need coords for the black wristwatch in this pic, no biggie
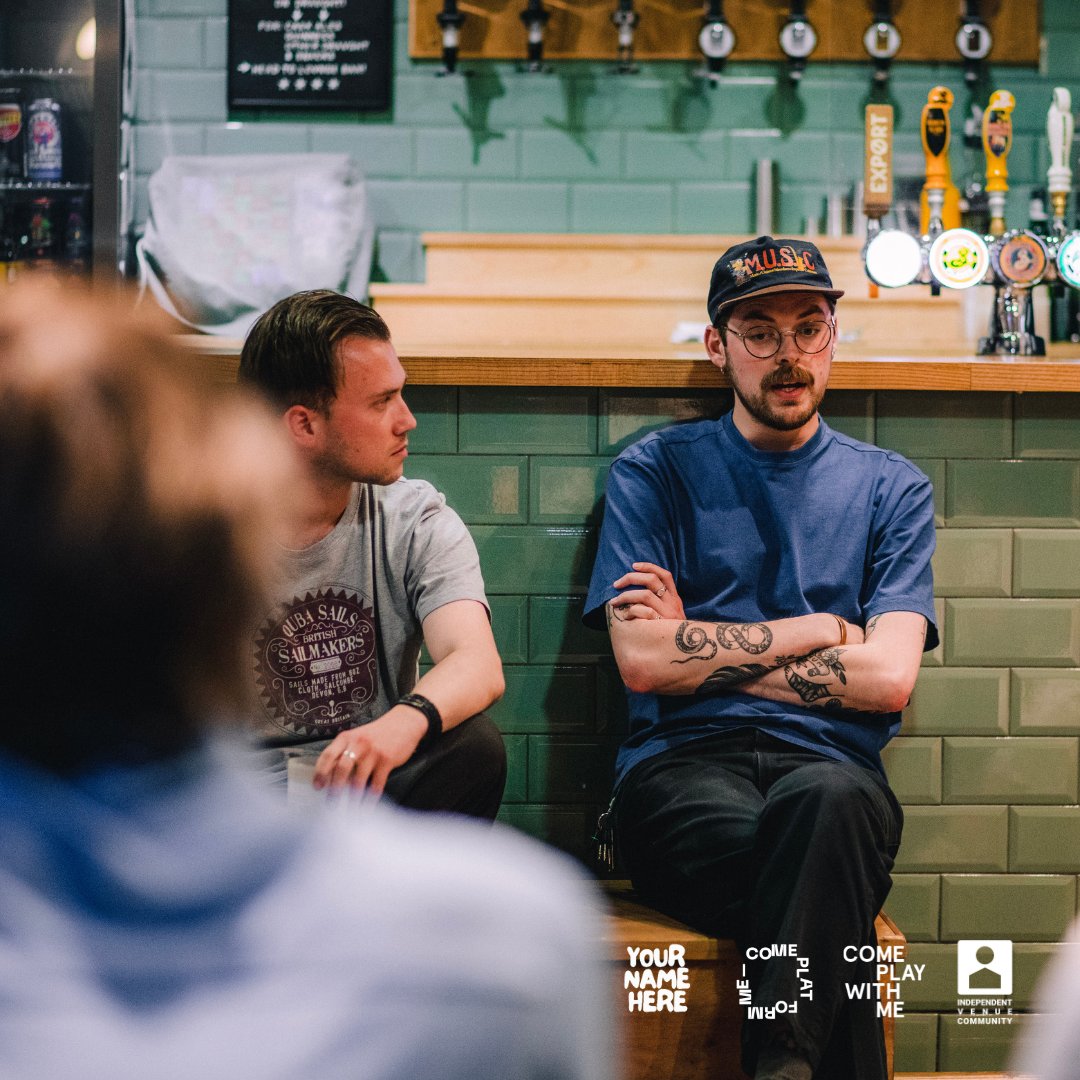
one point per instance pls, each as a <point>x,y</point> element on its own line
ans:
<point>431,714</point>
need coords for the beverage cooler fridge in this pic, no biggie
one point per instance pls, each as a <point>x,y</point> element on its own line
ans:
<point>65,136</point>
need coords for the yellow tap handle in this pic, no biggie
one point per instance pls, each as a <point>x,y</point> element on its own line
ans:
<point>997,142</point>
<point>935,138</point>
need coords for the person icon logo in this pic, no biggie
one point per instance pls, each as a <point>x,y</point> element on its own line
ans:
<point>984,968</point>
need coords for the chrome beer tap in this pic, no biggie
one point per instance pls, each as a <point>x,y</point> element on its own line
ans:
<point>716,39</point>
<point>882,40</point>
<point>973,41</point>
<point>535,17</point>
<point>450,21</point>
<point>798,39</point>
<point>625,19</point>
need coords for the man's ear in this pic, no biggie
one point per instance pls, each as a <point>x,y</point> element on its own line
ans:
<point>714,346</point>
<point>301,423</point>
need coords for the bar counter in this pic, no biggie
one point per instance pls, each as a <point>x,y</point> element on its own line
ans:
<point>675,366</point>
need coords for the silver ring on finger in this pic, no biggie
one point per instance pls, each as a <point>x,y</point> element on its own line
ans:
<point>661,590</point>
<point>351,754</point>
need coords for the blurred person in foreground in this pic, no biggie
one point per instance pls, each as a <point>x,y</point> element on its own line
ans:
<point>374,566</point>
<point>161,913</point>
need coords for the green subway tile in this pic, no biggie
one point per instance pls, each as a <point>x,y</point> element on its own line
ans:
<point>948,424</point>
<point>851,412</point>
<point>547,699</point>
<point>937,987</point>
<point>510,625</point>
<point>565,769</point>
<point>914,905</point>
<point>1014,906</point>
<point>915,1042</point>
<point>1047,426</point>
<point>956,838</point>
<point>1031,769</point>
<point>568,828</point>
<point>435,409</point>
<point>1045,702</point>
<point>936,657</point>
<point>1044,839</point>
<point>715,207</point>
<point>566,490</point>
<point>935,470</point>
<point>1013,493</point>
<point>1037,633</point>
<point>557,635</point>
<point>482,489</point>
<point>913,766</point>
<point>517,771</point>
<point>533,559</point>
<point>527,421</point>
<point>612,711</point>
<point>622,207</point>
<point>502,206</point>
<point>959,701</point>
<point>973,562</point>
<point>974,1047</point>
<point>1047,562</point>
<point>552,155</point>
<point>451,152</point>
<point>627,415</point>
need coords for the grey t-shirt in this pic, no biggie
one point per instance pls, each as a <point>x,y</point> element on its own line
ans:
<point>343,643</point>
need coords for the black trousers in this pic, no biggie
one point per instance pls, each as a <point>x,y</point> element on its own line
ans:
<point>744,835</point>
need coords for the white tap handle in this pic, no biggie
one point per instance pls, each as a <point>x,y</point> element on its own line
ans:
<point>1059,131</point>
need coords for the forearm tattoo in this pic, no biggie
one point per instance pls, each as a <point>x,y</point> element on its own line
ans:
<point>811,678</point>
<point>694,640</point>
<point>753,638</point>
<point>871,626</point>
<point>725,677</point>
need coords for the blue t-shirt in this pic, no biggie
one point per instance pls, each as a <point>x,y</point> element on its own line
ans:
<point>753,536</point>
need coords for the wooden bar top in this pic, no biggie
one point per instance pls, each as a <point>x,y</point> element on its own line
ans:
<point>686,366</point>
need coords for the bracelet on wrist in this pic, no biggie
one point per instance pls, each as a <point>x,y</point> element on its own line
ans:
<point>843,629</point>
<point>431,714</point>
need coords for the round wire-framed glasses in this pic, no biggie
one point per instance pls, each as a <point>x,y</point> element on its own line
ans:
<point>764,342</point>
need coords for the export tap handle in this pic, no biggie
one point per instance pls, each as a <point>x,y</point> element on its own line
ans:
<point>1059,132</point>
<point>997,142</point>
<point>878,171</point>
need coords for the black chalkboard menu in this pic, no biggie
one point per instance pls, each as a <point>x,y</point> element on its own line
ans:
<point>310,54</point>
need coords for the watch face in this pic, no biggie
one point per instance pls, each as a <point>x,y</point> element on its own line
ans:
<point>882,40</point>
<point>1020,258</point>
<point>716,40</point>
<point>1069,260</point>
<point>959,258</point>
<point>798,39</point>
<point>893,259</point>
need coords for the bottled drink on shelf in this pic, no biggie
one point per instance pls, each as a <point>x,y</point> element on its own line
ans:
<point>12,135</point>
<point>77,237</point>
<point>44,152</point>
<point>39,248</point>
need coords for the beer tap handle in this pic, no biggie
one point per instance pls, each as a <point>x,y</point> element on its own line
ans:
<point>878,171</point>
<point>626,19</point>
<point>1059,132</point>
<point>450,21</point>
<point>973,41</point>
<point>997,142</point>
<point>935,141</point>
<point>716,40</point>
<point>882,40</point>
<point>798,39</point>
<point>535,17</point>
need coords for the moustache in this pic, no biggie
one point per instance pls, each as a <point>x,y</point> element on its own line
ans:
<point>795,375</point>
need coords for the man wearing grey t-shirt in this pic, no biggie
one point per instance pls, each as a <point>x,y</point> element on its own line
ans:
<point>375,566</point>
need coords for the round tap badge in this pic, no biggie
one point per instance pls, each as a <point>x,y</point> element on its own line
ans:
<point>1020,257</point>
<point>1069,260</point>
<point>959,258</point>
<point>893,259</point>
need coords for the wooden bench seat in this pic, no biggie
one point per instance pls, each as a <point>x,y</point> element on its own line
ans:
<point>703,1041</point>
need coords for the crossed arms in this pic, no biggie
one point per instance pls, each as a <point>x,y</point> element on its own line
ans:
<point>797,660</point>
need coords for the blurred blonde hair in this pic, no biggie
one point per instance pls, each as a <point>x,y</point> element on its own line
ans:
<point>138,505</point>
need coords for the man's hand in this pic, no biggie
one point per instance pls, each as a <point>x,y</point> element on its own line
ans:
<point>655,598</point>
<point>363,757</point>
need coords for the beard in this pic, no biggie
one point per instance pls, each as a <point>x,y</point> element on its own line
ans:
<point>779,417</point>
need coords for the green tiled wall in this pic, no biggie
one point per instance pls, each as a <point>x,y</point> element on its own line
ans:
<point>987,763</point>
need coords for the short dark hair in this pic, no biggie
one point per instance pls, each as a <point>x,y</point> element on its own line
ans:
<point>291,353</point>
<point>139,506</point>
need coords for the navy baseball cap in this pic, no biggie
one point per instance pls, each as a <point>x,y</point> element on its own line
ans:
<point>767,265</point>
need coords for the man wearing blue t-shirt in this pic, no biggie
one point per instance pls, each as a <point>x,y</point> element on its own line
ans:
<point>766,584</point>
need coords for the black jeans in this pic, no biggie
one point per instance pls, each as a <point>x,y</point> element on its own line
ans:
<point>744,835</point>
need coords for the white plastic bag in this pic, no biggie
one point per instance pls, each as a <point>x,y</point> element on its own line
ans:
<point>230,236</point>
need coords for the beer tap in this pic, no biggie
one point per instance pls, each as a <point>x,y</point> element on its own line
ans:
<point>535,17</point>
<point>716,40</point>
<point>626,19</point>
<point>450,21</point>
<point>798,39</point>
<point>1059,133</point>
<point>997,142</point>
<point>973,41</point>
<point>882,40</point>
<point>940,200</point>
